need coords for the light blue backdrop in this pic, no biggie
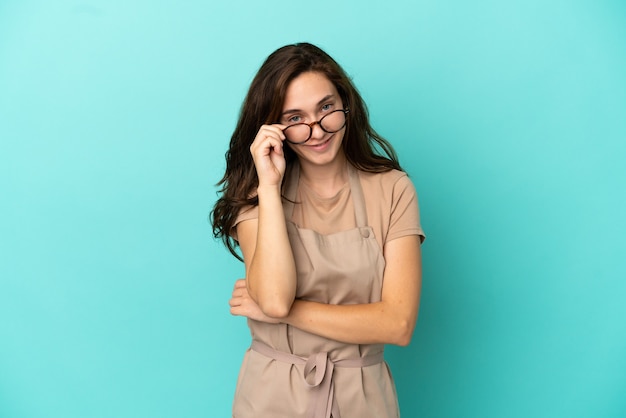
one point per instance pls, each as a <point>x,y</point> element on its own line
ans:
<point>115,115</point>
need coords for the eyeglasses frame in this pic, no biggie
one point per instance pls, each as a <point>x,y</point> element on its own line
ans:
<point>310,125</point>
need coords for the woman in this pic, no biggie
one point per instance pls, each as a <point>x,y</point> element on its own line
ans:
<point>330,236</point>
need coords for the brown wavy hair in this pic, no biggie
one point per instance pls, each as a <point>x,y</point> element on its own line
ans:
<point>363,147</point>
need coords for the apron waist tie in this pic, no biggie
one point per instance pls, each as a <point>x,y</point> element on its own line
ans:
<point>318,375</point>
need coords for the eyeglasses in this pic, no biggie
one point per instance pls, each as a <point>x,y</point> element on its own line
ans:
<point>299,133</point>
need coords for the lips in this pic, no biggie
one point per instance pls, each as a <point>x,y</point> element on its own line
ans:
<point>320,146</point>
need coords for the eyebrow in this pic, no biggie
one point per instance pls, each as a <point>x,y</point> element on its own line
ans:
<point>326,98</point>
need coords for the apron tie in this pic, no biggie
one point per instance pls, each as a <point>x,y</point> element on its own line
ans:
<point>319,369</point>
<point>318,375</point>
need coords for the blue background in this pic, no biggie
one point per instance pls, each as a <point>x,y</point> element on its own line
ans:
<point>115,115</point>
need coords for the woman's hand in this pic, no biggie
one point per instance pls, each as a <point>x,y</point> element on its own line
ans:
<point>268,156</point>
<point>242,304</point>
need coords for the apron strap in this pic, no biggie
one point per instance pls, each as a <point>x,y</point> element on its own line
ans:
<point>291,187</point>
<point>358,200</point>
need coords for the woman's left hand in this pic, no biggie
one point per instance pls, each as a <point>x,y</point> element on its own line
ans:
<point>241,304</point>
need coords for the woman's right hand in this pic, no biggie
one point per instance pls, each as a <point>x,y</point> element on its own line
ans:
<point>268,156</point>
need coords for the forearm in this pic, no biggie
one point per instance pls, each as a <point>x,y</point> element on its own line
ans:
<point>371,323</point>
<point>389,321</point>
<point>271,276</point>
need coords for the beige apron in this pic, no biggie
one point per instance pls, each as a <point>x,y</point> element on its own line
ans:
<point>291,373</point>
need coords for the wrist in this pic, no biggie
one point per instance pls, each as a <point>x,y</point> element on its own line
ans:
<point>290,318</point>
<point>268,190</point>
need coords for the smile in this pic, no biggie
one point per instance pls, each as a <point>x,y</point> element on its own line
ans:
<point>321,145</point>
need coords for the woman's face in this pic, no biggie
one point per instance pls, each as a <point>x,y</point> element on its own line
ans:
<point>310,97</point>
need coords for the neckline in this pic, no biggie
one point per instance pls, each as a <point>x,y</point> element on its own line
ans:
<point>291,189</point>
<point>319,197</point>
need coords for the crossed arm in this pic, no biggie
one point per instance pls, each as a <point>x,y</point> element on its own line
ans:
<point>390,321</point>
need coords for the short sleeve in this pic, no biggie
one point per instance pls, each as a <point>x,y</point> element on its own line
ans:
<point>404,218</point>
<point>246,213</point>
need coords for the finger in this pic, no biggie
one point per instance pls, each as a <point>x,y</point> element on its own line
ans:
<point>275,129</point>
<point>240,283</point>
<point>278,149</point>
<point>266,145</point>
<point>239,311</point>
<point>273,143</point>
<point>280,128</point>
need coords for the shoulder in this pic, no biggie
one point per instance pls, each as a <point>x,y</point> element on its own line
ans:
<point>245,214</point>
<point>392,204</point>
<point>386,183</point>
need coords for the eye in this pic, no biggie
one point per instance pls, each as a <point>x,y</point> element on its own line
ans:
<point>294,119</point>
<point>327,107</point>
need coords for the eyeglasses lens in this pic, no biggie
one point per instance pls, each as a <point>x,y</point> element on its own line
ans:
<point>301,132</point>
<point>334,121</point>
<point>298,133</point>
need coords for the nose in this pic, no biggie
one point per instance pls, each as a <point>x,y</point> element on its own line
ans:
<point>316,130</point>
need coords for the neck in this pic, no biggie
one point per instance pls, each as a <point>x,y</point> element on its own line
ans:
<point>325,179</point>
